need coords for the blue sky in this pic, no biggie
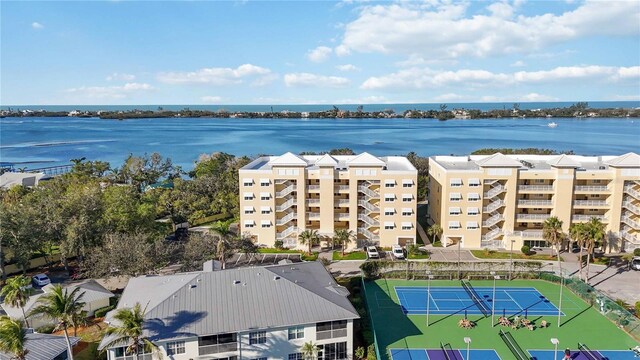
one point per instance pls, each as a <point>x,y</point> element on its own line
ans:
<point>315,52</point>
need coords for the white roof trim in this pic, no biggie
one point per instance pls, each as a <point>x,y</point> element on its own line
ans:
<point>326,160</point>
<point>407,223</point>
<point>392,210</point>
<point>265,208</point>
<point>631,160</point>
<point>498,160</point>
<point>390,181</point>
<point>248,194</point>
<point>455,181</point>
<point>407,181</point>
<point>474,181</point>
<point>288,159</point>
<point>247,180</point>
<point>563,161</point>
<point>407,210</point>
<point>389,223</point>
<point>365,159</point>
<point>265,180</point>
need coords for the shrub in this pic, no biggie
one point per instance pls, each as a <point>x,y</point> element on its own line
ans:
<point>278,244</point>
<point>371,352</point>
<point>525,250</point>
<point>360,353</point>
<point>101,312</point>
<point>46,329</point>
<point>637,308</point>
<point>636,252</point>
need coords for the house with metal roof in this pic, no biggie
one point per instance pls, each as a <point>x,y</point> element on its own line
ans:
<point>44,347</point>
<point>243,313</point>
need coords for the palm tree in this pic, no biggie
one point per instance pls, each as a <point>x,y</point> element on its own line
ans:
<point>594,233</point>
<point>128,329</point>
<point>343,237</point>
<point>62,306</point>
<point>434,231</point>
<point>578,232</point>
<point>16,294</point>
<point>224,242</point>
<point>309,350</point>
<point>552,233</point>
<point>13,337</point>
<point>309,237</point>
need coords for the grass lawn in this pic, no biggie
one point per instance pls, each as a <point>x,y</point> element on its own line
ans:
<point>312,257</point>
<point>482,254</point>
<point>354,255</point>
<point>90,337</point>
<point>581,323</point>
<point>278,251</point>
<point>414,256</point>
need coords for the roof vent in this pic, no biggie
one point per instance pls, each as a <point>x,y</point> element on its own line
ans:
<point>276,278</point>
<point>602,167</point>
<point>236,282</point>
<point>193,286</point>
<point>258,273</point>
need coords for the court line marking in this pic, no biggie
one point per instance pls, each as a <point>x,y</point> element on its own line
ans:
<point>401,350</point>
<point>514,300</point>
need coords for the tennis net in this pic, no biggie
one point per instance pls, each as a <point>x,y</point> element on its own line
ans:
<point>474,296</point>
<point>444,350</point>
<point>513,346</point>
<point>588,353</point>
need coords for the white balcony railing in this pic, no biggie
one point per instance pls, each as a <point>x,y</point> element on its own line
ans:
<point>368,220</point>
<point>288,231</point>
<point>365,190</point>
<point>535,203</point>
<point>313,188</point>
<point>495,205</point>
<point>532,216</point>
<point>286,191</point>
<point>492,220</point>
<point>342,187</point>
<point>368,234</point>
<point>342,202</point>
<point>590,203</point>
<point>342,217</point>
<point>631,222</point>
<point>368,206</point>
<point>313,215</point>
<point>496,190</point>
<point>492,235</point>
<point>535,188</point>
<point>285,205</point>
<point>283,220</point>
<point>529,234</point>
<point>591,188</point>
<point>582,217</point>
<point>631,206</point>
<point>313,201</point>
<point>629,189</point>
<point>215,349</point>
<point>630,237</point>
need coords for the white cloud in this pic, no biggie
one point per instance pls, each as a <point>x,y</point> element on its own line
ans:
<point>347,67</point>
<point>373,99</point>
<point>214,76</point>
<point>111,92</point>
<point>412,28</point>
<point>37,25</point>
<point>211,99</point>
<point>319,54</point>
<point>518,63</point>
<point>449,97</point>
<point>120,76</point>
<point>420,78</point>
<point>314,80</point>
<point>535,97</point>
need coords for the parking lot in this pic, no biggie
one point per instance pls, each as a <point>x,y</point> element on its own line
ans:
<point>239,260</point>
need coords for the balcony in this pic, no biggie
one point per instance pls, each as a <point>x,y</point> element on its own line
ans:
<point>631,206</point>
<point>313,202</point>
<point>532,217</point>
<point>341,188</point>
<point>288,231</point>
<point>591,189</point>
<point>495,205</point>
<point>492,220</point>
<point>313,188</point>
<point>342,217</point>
<point>530,234</point>
<point>535,188</point>
<point>365,190</point>
<point>134,357</point>
<point>491,235</point>
<point>342,202</point>
<point>535,203</point>
<point>313,215</point>
<point>589,203</point>
<point>629,189</point>
<point>286,191</point>
<point>219,348</point>
<point>368,234</point>
<point>582,217</point>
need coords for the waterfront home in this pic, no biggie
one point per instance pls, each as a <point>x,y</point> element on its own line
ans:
<point>44,347</point>
<point>502,201</point>
<point>373,197</point>
<point>243,313</point>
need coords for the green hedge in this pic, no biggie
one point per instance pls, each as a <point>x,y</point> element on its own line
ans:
<point>103,311</point>
<point>46,329</point>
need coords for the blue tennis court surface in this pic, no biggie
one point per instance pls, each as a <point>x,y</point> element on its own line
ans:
<point>452,300</point>
<point>438,354</point>
<point>579,355</point>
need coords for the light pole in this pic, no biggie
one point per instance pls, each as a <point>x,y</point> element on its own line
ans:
<point>511,259</point>
<point>429,277</point>
<point>467,340</point>
<point>560,301</point>
<point>459,241</point>
<point>493,299</point>
<point>555,342</point>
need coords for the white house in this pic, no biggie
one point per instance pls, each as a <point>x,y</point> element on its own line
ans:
<point>246,313</point>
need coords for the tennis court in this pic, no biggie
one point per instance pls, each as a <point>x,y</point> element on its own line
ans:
<point>510,301</point>
<point>440,354</point>
<point>581,355</point>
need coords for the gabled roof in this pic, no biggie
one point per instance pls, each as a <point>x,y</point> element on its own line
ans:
<point>365,159</point>
<point>241,299</point>
<point>563,161</point>
<point>288,159</point>
<point>326,160</point>
<point>498,160</point>
<point>627,160</point>
<point>43,346</point>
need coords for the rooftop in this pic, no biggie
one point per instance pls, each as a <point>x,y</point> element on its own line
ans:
<point>341,162</point>
<point>537,162</point>
<point>226,301</point>
<point>43,347</point>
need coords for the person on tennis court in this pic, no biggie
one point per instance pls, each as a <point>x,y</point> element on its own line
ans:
<point>567,354</point>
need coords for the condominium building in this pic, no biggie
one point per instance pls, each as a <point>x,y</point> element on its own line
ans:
<point>374,197</point>
<point>501,201</point>
<point>265,313</point>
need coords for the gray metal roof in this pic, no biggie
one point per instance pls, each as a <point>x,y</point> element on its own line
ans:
<point>43,346</point>
<point>234,300</point>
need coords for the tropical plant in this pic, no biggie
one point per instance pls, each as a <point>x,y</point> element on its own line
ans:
<point>578,233</point>
<point>223,245</point>
<point>595,230</point>
<point>309,351</point>
<point>343,237</point>
<point>552,233</point>
<point>371,352</point>
<point>360,352</point>
<point>63,307</point>
<point>127,329</point>
<point>17,294</point>
<point>435,231</point>
<point>13,337</point>
<point>309,237</point>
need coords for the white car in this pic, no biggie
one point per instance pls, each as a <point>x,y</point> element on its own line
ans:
<point>635,263</point>
<point>397,252</point>
<point>372,252</point>
<point>40,280</point>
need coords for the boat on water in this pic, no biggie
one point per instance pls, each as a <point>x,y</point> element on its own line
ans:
<point>552,125</point>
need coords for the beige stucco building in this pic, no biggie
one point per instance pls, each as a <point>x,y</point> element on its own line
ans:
<point>374,197</point>
<point>500,201</point>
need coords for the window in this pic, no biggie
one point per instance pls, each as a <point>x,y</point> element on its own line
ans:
<point>389,211</point>
<point>335,351</point>
<point>472,225</point>
<point>248,210</point>
<point>257,337</point>
<point>407,212</point>
<point>455,211</point>
<point>454,225</point>
<point>247,182</point>
<point>538,181</point>
<point>407,197</point>
<point>296,356</point>
<point>388,225</point>
<point>266,224</point>
<point>389,183</point>
<point>473,211</point>
<point>389,197</point>
<point>265,196</point>
<point>474,196</point>
<point>406,226</point>
<point>248,196</point>
<point>296,332</point>
<point>331,329</point>
<point>265,182</point>
<point>260,358</point>
<point>474,182</point>
<point>455,197</point>
<point>265,210</point>
<point>596,181</point>
<point>456,182</point>
<point>249,223</point>
<point>407,183</point>
<point>536,243</point>
<point>175,347</point>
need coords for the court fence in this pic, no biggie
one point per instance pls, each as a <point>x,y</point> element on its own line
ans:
<point>373,328</point>
<point>608,307</point>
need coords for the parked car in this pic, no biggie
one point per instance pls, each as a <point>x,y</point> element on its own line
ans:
<point>635,263</point>
<point>372,252</point>
<point>397,251</point>
<point>40,280</point>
